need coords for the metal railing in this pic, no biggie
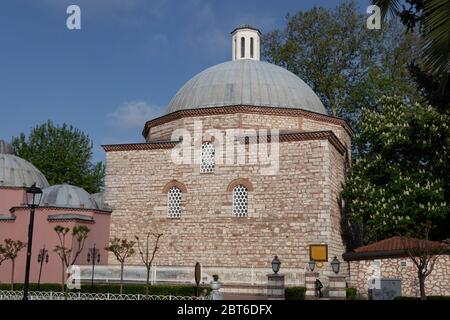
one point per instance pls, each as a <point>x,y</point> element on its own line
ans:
<point>52,295</point>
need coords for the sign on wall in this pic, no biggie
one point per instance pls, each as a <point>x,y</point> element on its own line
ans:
<point>318,252</point>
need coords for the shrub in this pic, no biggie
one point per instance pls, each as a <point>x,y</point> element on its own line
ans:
<point>428,298</point>
<point>33,286</point>
<point>351,293</point>
<point>295,293</point>
<point>438,297</point>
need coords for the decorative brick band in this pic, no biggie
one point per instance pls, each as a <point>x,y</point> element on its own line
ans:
<point>5,218</point>
<point>240,181</point>
<point>245,109</point>
<point>174,183</point>
<point>105,211</point>
<point>70,217</point>
<point>12,188</point>
<point>314,135</point>
<point>283,137</point>
<point>140,146</point>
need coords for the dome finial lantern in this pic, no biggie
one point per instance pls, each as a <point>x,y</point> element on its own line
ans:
<point>245,43</point>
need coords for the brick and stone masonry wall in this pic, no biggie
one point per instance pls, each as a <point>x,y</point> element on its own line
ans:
<point>437,283</point>
<point>255,121</point>
<point>287,211</point>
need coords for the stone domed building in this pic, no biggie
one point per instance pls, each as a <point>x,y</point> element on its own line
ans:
<point>234,211</point>
<point>64,205</point>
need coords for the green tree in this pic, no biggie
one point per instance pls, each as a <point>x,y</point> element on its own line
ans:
<point>63,154</point>
<point>10,251</point>
<point>122,250</point>
<point>66,253</point>
<point>402,177</point>
<point>422,252</point>
<point>434,17</point>
<point>147,257</point>
<point>430,70</point>
<point>346,64</point>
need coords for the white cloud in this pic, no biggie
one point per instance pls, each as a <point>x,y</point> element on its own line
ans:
<point>133,114</point>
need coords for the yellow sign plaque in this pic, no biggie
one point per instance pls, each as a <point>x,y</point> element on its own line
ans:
<point>318,252</point>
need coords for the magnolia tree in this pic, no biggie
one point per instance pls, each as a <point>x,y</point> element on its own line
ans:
<point>68,253</point>
<point>402,176</point>
<point>122,250</point>
<point>9,251</point>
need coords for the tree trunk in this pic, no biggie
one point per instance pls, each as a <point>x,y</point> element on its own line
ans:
<point>423,296</point>
<point>62,276</point>
<point>121,278</point>
<point>148,280</point>
<point>13,265</point>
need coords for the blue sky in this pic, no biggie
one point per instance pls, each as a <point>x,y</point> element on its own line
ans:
<point>123,66</point>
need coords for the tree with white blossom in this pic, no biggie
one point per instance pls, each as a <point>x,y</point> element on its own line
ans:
<point>402,176</point>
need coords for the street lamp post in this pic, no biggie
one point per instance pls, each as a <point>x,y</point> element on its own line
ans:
<point>94,256</point>
<point>34,195</point>
<point>43,256</point>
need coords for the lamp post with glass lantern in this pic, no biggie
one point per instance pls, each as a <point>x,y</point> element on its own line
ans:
<point>42,256</point>
<point>276,263</point>
<point>93,256</point>
<point>275,282</point>
<point>311,265</point>
<point>335,265</point>
<point>34,195</point>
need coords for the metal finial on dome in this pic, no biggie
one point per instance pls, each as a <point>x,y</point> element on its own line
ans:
<point>6,148</point>
<point>245,43</point>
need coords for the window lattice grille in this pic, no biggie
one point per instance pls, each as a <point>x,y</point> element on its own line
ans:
<point>174,203</point>
<point>208,158</point>
<point>240,201</point>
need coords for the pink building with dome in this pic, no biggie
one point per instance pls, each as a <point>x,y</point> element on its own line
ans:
<point>64,205</point>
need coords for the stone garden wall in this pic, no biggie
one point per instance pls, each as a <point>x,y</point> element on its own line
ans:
<point>437,283</point>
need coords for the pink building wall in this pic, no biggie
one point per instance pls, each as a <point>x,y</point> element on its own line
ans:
<point>44,235</point>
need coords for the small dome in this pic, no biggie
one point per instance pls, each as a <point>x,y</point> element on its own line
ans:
<point>98,198</point>
<point>5,147</point>
<point>67,196</point>
<point>17,172</point>
<point>246,82</point>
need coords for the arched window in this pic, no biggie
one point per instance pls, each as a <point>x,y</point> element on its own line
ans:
<point>251,47</point>
<point>208,158</point>
<point>240,201</point>
<point>242,47</point>
<point>174,202</point>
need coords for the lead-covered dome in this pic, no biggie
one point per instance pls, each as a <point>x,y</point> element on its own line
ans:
<point>67,196</point>
<point>17,172</point>
<point>246,82</point>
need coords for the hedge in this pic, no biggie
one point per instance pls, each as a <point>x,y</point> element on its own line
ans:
<point>174,290</point>
<point>428,298</point>
<point>351,293</point>
<point>295,293</point>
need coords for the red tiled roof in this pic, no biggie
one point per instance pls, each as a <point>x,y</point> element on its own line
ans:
<point>393,247</point>
<point>397,243</point>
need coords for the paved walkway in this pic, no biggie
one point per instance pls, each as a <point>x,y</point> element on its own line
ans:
<point>235,296</point>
